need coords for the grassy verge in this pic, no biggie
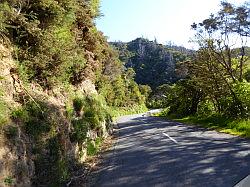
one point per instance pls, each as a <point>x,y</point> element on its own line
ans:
<point>239,127</point>
<point>122,111</point>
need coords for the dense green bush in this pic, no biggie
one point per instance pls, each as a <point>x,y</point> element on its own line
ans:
<point>78,104</point>
<point>186,99</point>
<point>205,108</point>
<point>242,90</point>
<point>80,130</point>
<point>183,98</point>
<point>94,112</point>
<point>247,75</point>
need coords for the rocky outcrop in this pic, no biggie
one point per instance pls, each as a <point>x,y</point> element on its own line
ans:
<point>16,164</point>
<point>24,159</point>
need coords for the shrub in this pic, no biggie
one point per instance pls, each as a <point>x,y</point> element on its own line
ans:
<point>9,181</point>
<point>59,164</point>
<point>91,148</point>
<point>20,114</point>
<point>4,113</point>
<point>95,111</point>
<point>10,132</point>
<point>247,75</point>
<point>36,121</point>
<point>243,92</point>
<point>78,104</point>
<point>205,108</point>
<point>80,130</point>
<point>237,106</point>
<point>183,98</point>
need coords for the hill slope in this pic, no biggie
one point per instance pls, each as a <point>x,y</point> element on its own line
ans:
<point>153,63</point>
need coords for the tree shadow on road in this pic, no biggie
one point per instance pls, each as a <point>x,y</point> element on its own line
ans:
<point>143,156</point>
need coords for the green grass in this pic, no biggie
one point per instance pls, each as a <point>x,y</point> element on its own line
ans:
<point>122,111</point>
<point>239,127</point>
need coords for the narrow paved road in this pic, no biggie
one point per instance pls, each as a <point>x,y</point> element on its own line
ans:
<point>150,151</point>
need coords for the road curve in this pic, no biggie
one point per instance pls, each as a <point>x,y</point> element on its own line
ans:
<point>151,151</point>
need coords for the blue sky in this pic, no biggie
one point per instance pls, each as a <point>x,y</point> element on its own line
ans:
<point>165,20</point>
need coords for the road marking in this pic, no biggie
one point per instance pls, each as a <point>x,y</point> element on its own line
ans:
<point>170,137</point>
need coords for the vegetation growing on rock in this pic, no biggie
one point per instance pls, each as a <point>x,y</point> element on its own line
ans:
<point>57,84</point>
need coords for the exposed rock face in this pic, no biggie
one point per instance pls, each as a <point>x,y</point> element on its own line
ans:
<point>16,164</point>
<point>19,165</point>
<point>6,80</point>
<point>87,87</point>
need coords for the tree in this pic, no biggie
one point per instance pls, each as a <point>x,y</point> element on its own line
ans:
<point>218,33</point>
<point>153,63</point>
<point>218,67</point>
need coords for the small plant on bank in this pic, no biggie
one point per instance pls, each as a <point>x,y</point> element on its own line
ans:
<point>78,104</point>
<point>4,114</point>
<point>91,148</point>
<point>9,181</point>
<point>10,132</point>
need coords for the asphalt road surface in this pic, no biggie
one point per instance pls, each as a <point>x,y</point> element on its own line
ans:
<point>151,151</point>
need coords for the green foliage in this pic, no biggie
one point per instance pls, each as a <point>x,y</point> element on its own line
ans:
<point>158,98</point>
<point>122,91</point>
<point>183,98</point>
<point>20,114</point>
<point>242,90</point>
<point>95,4</point>
<point>98,142</point>
<point>57,45</point>
<point>163,113</point>
<point>69,111</point>
<point>91,148</point>
<point>217,122</point>
<point>205,108</point>
<point>10,132</point>
<point>95,112</point>
<point>80,130</point>
<point>35,120</point>
<point>57,42</point>
<point>145,90</point>
<point>38,123</point>
<point>247,75</point>
<point>4,113</point>
<point>59,164</point>
<point>121,111</point>
<point>52,39</point>
<point>55,163</point>
<point>153,63</point>
<point>9,181</point>
<point>188,98</point>
<point>241,127</point>
<point>78,104</point>
<point>215,76</point>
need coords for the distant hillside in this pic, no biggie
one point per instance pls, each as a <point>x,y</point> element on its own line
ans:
<point>153,63</point>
